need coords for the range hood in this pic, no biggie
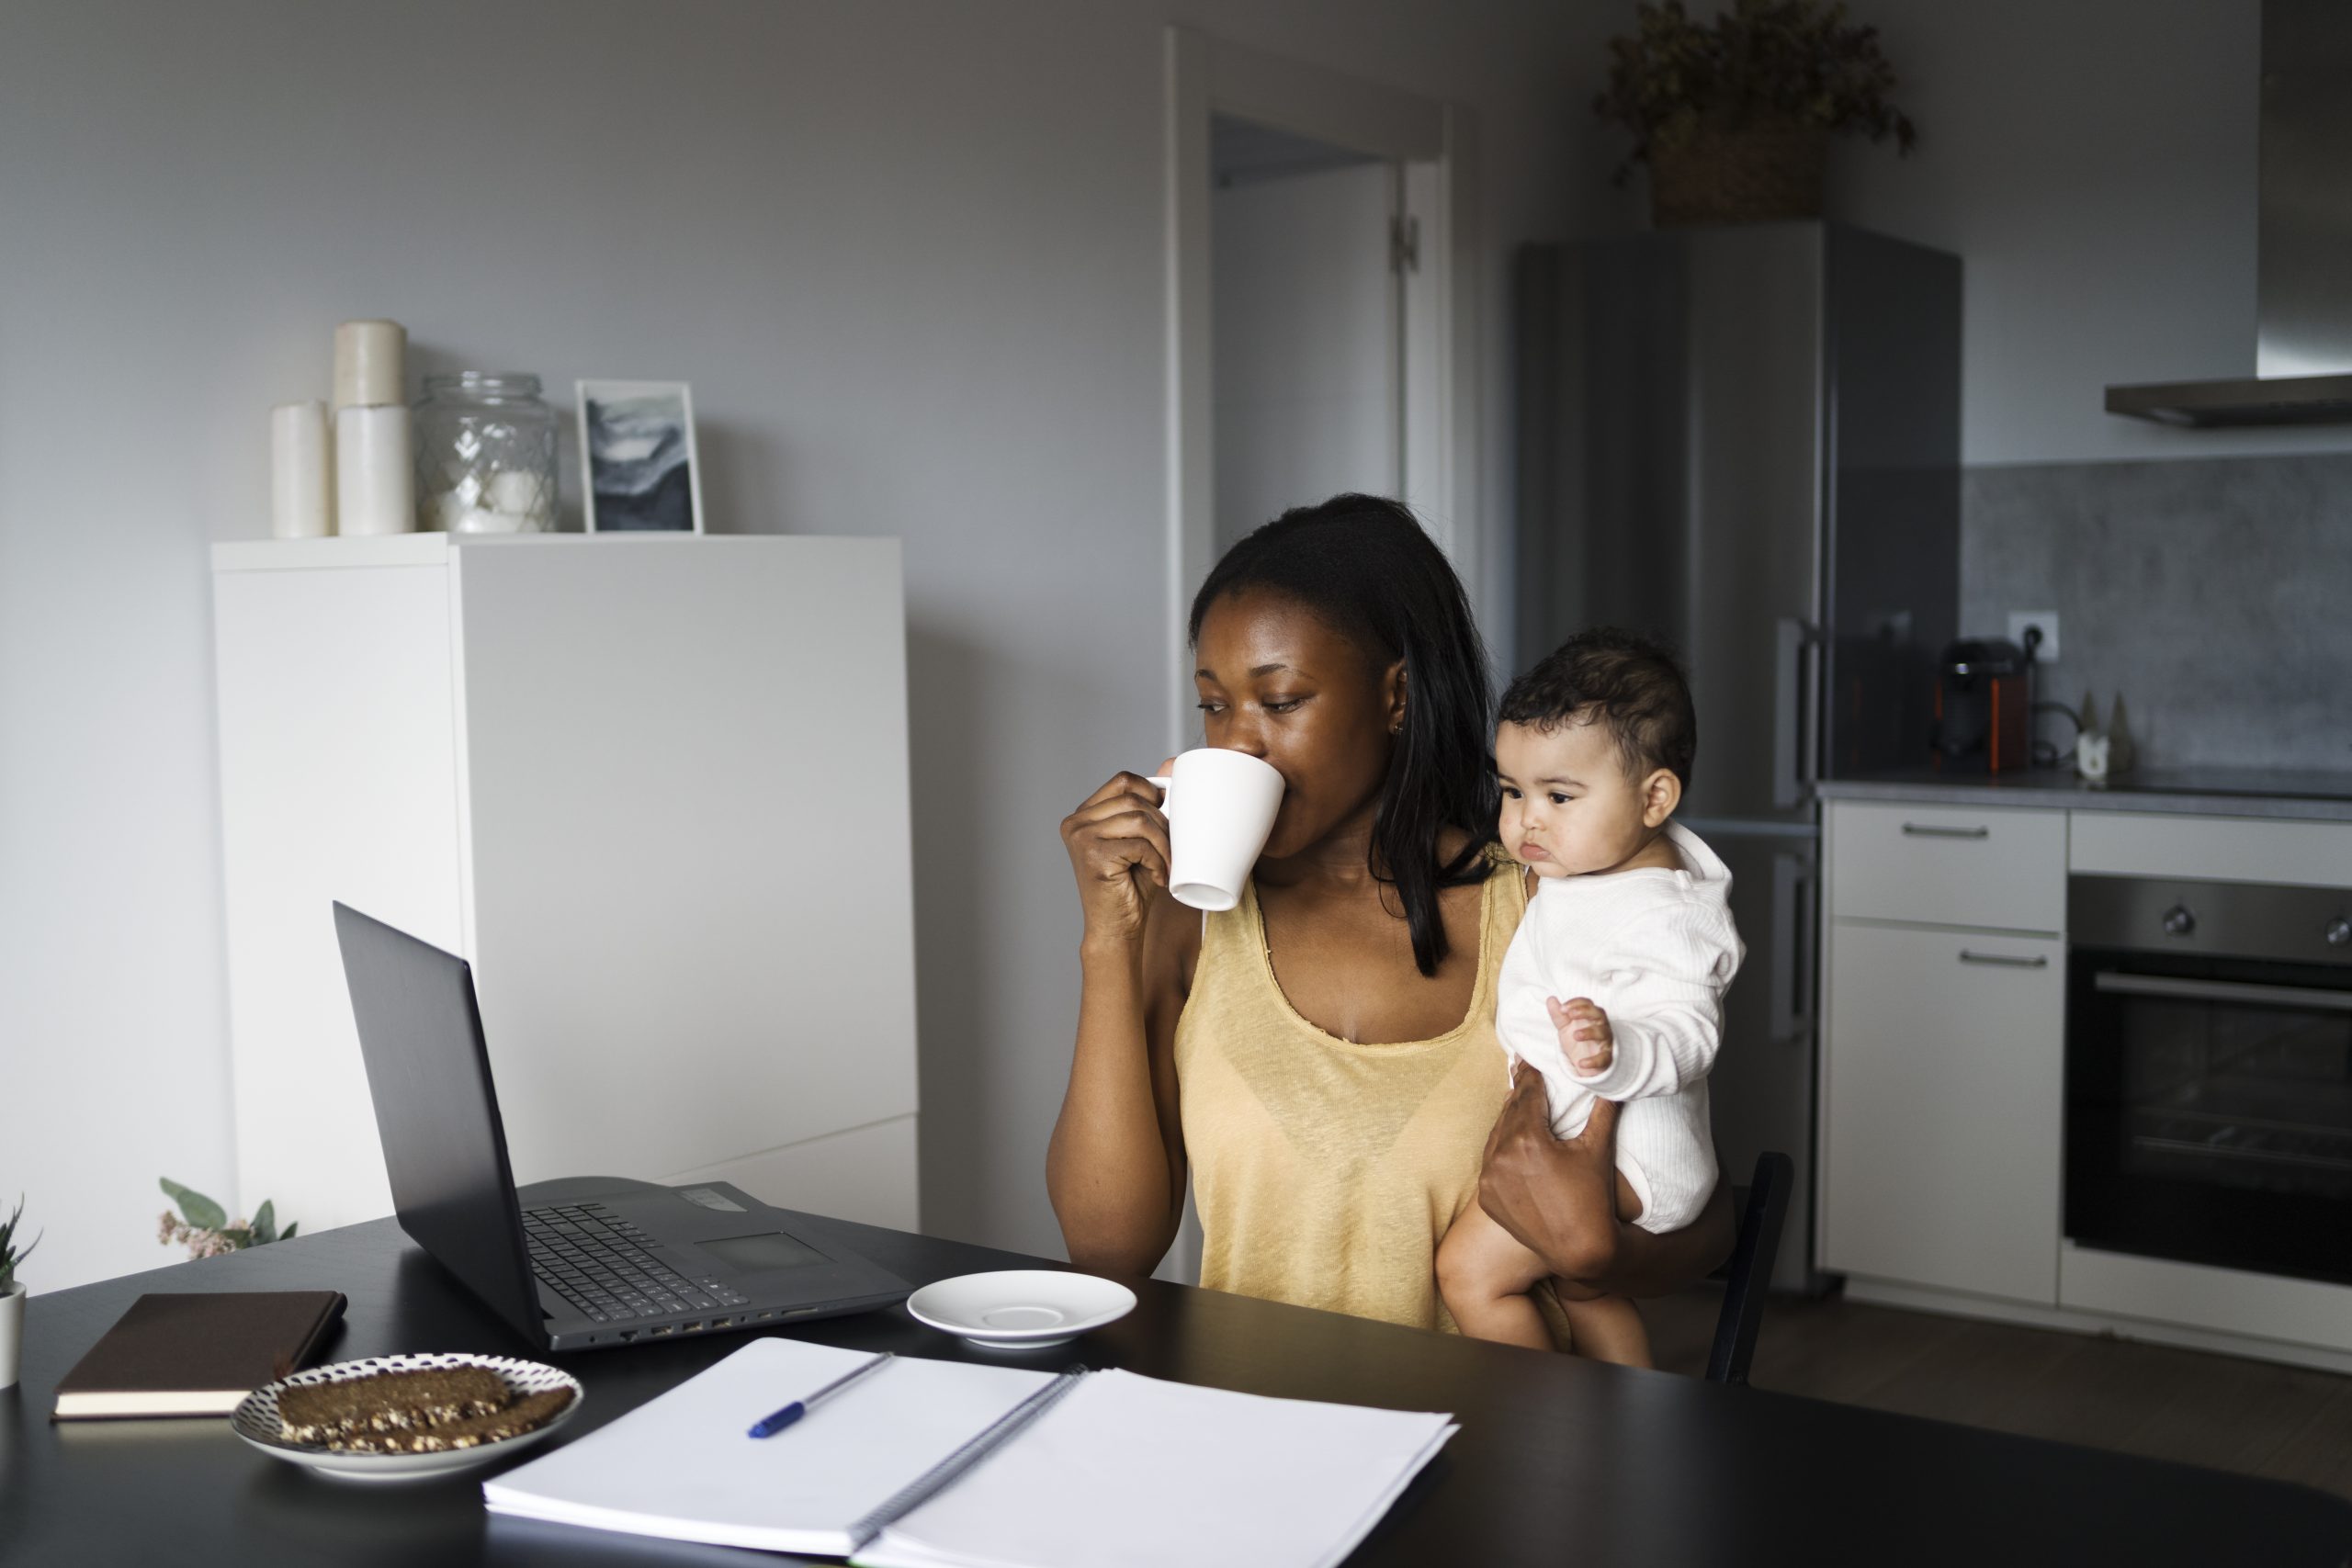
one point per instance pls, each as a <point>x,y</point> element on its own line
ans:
<point>2250,400</point>
<point>2303,302</point>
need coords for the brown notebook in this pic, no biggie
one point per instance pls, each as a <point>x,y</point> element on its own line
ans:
<point>195,1355</point>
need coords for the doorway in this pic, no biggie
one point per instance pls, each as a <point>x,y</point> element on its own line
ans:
<point>1321,313</point>
<point>1307,313</point>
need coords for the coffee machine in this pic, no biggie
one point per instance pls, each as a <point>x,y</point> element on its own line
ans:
<point>1983,707</point>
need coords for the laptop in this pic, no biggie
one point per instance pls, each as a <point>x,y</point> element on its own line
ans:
<point>583,1263</point>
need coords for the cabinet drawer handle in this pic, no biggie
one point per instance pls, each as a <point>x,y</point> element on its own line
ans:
<point>1932,831</point>
<point>2004,960</point>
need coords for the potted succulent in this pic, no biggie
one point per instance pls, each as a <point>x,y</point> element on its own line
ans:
<point>1733,116</point>
<point>12,1295</point>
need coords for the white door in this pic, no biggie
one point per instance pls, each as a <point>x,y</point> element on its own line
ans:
<point>1942,1096</point>
<point>1307,307</point>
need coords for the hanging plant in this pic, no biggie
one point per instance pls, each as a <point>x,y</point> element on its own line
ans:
<point>1734,115</point>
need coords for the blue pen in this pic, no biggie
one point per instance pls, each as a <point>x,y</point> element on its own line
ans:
<point>770,1426</point>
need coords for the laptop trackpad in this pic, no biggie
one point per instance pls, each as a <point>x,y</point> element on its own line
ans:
<point>764,1251</point>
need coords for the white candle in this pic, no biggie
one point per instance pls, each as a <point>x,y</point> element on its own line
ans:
<point>301,497</point>
<point>370,364</point>
<point>375,481</point>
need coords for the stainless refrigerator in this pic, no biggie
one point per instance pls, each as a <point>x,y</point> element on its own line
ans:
<point>1746,440</point>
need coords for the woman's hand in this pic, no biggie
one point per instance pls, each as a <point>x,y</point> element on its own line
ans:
<point>1118,846</point>
<point>1559,1196</point>
<point>1116,1166</point>
<point>1556,1196</point>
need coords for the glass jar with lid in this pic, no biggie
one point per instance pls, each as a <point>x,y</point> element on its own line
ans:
<point>485,454</point>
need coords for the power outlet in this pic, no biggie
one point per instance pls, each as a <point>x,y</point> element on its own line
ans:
<point>2046,621</point>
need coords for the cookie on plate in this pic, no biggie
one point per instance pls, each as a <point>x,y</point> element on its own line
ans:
<point>389,1402</point>
<point>531,1411</point>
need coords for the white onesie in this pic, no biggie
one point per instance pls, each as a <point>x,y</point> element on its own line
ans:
<point>1654,949</point>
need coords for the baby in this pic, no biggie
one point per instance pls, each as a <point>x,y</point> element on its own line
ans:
<point>1613,988</point>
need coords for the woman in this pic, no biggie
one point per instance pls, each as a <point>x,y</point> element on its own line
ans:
<point>1321,1058</point>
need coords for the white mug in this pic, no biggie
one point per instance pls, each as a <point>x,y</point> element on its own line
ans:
<point>1220,807</point>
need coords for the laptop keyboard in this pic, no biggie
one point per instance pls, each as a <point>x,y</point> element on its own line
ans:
<point>605,1266</point>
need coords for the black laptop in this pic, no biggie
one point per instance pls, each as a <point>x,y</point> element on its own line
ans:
<point>585,1262</point>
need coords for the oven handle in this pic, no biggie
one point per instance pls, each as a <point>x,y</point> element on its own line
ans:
<point>2224,991</point>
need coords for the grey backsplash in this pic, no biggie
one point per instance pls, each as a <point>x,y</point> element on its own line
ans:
<point>2215,595</point>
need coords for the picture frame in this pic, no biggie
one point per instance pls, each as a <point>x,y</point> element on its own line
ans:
<point>640,471</point>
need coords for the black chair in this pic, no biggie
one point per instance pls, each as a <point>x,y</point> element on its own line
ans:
<point>1749,1275</point>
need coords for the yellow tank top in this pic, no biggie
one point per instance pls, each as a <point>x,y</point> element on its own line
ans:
<point>1325,1171</point>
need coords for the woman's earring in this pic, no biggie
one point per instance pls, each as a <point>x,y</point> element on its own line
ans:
<point>1397,727</point>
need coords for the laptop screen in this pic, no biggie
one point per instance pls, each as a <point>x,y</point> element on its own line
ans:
<point>436,1111</point>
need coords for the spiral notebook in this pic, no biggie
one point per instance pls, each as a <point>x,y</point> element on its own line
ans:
<point>1073,1471</point>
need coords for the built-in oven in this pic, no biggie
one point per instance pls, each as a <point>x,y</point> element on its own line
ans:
<point>2208,1073</point>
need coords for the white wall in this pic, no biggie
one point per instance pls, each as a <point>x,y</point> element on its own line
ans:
<point>2093,162</point>
<point>908,253</point>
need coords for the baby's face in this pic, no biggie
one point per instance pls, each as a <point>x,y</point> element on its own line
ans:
<point>1569,806</point>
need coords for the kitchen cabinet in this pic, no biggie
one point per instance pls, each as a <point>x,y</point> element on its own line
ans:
<point>655,790</point>
<point>1943,1092</point>
<point>1942,1079</point>
<point>1957,914</point>
<point>1937,866</point>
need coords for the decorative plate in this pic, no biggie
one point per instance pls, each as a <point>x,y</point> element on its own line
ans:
<point>256,1420</point>
<point>1021,1309</point>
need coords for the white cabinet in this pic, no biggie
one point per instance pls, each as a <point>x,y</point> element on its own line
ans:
<point>2212,849</point>
<point>656,790</point>
<point>1943,1047</point>
<point>1993,869</point>
<point>1942,1078</point>
<point>1942,1097</point>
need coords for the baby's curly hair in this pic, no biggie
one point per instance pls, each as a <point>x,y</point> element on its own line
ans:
<point>1630,684</point>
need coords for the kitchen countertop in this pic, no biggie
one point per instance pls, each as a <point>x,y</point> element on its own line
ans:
<point>2311,795</point>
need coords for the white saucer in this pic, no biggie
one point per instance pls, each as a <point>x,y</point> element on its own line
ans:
<point>256,1422</point>
<point>1021,1309</point>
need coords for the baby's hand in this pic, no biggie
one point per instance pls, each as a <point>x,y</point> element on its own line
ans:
<point>1585,1034</point>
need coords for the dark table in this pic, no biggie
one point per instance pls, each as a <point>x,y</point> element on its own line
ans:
<point>1559,1460</point>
